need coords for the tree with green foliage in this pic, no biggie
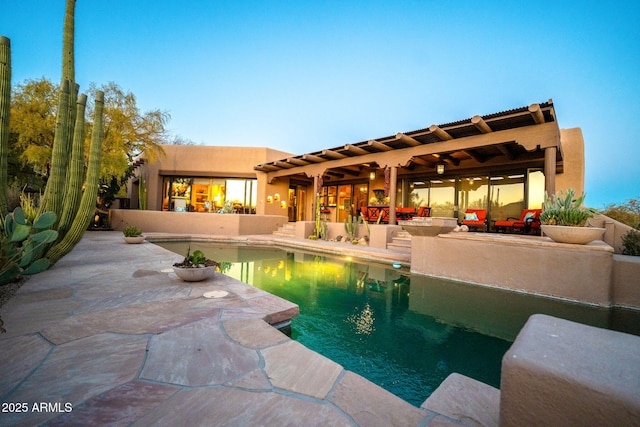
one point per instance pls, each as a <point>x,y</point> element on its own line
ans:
<point>627,212</point>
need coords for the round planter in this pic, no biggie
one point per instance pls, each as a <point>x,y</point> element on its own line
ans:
<point>575,235</point>
<point>194,274</point>
<point>134,240</point>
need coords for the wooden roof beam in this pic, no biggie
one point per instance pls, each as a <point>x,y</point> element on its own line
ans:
<point>333,154</point>
<point>355,150</point>
<point>283,165</point>
<point>504,149</point>
<point>347,171</point>
<point>297,161</point>
<point>440,133</point>
<point>378,145</point>
<point>474,156</point>
<point>450,159</point>
<point>536,113</point>
<point>313,159</point>
<point>411,142</point>
<point>479,123</point>
<point>422,162</point>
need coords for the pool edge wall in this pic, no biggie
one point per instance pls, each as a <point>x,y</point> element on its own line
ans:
<point>529,264</point>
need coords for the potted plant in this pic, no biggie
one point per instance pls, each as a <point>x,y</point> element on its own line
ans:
<point>565,220</point>
<point>133,234</point>
<point>195,267</point>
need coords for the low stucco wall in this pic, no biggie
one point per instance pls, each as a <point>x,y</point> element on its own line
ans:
<point>561,373</point>
<point>525,263</point>
<point>190,222</point>
<point>626,281</point>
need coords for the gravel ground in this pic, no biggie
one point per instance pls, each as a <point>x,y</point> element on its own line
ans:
<point>6,292</point>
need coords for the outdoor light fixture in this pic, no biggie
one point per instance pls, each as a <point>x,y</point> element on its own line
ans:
<point>269,199</point>
<point>283,204</point>
<point>372,176</point>
<point>276,197</point>
<point>440,168</point>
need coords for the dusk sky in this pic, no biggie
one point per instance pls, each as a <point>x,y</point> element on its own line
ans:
<point>304,76</point>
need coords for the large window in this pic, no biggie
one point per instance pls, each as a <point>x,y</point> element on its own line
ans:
<point>188,194</point>
<point>507,196</point>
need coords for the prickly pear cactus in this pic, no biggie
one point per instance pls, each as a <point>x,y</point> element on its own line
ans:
<point>23,244</point>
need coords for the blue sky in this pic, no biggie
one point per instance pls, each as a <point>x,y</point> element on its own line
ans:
<point>304,76</point>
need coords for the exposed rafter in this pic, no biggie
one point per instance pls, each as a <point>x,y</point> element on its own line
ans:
<point>411,142</point>
<point>348,171</point>
<point>479,123</point>
<point>355,150</point>
<point>441,134</point>
<point>504,149</point>
<point>536,113</point>
<point>378,145</point>
<point>478,158</point>
<point>297,161</point>
<point>283,164</point>
<point>333,154</point>
<point>313,158</point>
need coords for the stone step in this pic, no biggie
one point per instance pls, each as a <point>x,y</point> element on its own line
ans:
<point>471,402</point>
<point>400,248</point>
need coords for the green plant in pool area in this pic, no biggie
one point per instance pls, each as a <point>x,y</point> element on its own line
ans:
<point>196,260</point>
<point>631,243</point>
<point>564,208</point>
<point>132,231</point>
<point>351,227</point>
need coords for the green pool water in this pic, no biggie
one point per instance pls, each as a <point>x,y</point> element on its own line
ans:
<point>404,332</point>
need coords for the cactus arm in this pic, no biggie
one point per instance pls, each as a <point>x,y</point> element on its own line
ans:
<point>5,108</point>
<point>54,191</point>
<point>76,171</point>
<point>88,201</point>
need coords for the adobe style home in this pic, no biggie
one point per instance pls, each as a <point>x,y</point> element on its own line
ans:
<point>502,163</point>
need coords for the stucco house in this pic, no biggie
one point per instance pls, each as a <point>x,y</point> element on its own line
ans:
<point>502,163</point>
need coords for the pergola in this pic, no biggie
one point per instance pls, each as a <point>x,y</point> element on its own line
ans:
<point>522,137</point>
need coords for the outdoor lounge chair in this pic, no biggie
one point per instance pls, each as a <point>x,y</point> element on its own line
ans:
<point>529,222</point>
<point>424,211</point>
<point>474,218</point>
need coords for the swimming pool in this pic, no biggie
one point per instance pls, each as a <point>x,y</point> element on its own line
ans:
<point>404,332</point>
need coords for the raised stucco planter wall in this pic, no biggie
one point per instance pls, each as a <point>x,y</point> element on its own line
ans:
<point>530,264</point>
<point>626,281</point>
<point>199,223</point>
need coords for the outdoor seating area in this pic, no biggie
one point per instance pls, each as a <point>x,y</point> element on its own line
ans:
<point>475,219</point>
<point>375,214</point>
<point>527,223</point>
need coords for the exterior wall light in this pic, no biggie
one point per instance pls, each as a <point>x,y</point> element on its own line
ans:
<point>276,197</point>
<point>440,168</point>
<point>269,199</point>
<point>283,204</point>
<point>372,176</point>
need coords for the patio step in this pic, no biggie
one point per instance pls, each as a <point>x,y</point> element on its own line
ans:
<point>400,242</point>
<point>287,230</point>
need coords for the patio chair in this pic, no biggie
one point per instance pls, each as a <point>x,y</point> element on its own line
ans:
<point>474,218</point>
<point>529,222</point>
<point>424,211</point>
<point>405,213</point>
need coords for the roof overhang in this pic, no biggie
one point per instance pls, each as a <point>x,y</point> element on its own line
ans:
<point>505,139</point>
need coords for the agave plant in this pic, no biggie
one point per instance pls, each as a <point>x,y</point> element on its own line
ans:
<point>564,208</point>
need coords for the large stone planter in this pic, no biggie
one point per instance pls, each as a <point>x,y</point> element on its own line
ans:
<point>574,235</point>
<point>197,274</point>
<point>430,226</point>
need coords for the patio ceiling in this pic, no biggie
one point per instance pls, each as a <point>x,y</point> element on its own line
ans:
<point>497,140</point>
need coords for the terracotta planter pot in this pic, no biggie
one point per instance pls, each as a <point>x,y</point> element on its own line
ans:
<point>575,235</point>
<point>194,274</point>
<point>134,239</point>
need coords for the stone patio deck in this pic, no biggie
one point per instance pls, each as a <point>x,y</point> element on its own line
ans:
<point>108,337</point>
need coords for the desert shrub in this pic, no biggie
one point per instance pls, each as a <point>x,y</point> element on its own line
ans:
<point>627,213</point>
<point>631,243</point>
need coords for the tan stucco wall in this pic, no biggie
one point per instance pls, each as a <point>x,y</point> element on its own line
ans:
<point>529,264</point>
<point>208,161</point>
<point>626,281</point>
<point>572,143</point>
<point>195,223</point>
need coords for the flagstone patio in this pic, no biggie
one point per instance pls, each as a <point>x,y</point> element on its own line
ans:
<point>108,337</point>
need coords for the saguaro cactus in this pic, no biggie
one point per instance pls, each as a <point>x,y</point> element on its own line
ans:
<point>63,199</point>
<point>5,107</point>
